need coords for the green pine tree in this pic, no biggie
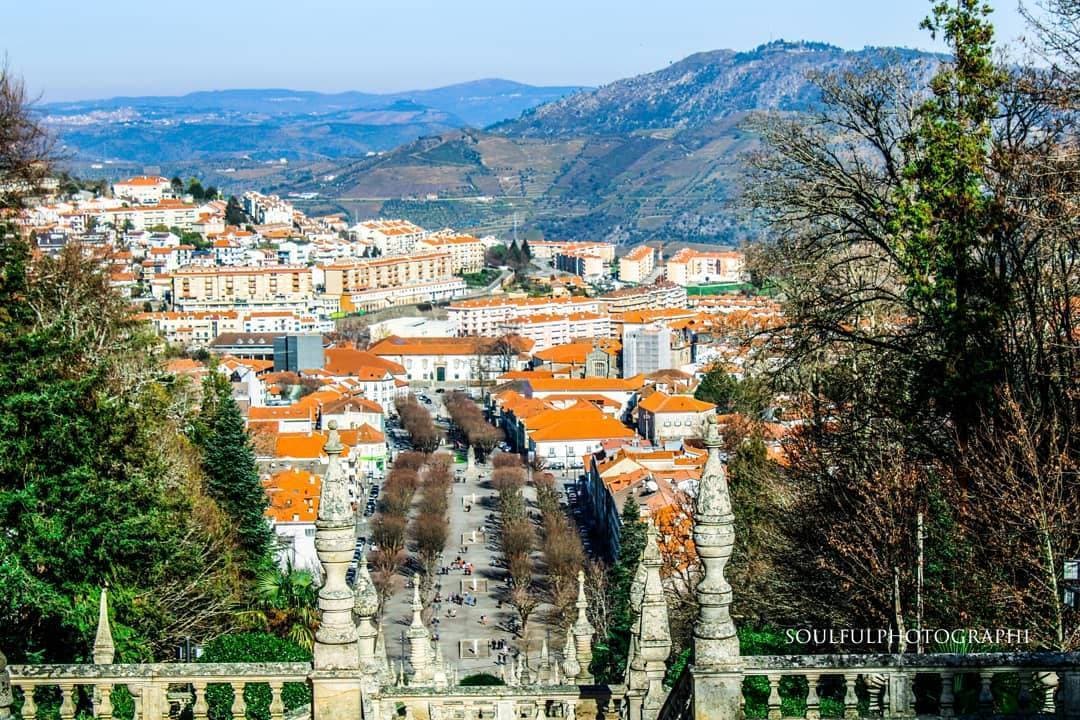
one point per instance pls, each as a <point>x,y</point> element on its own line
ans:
<point>610,655</point>
<point>232,475</point>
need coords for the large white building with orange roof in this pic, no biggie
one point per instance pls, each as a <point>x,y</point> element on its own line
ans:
<point>700,267</point>
<point>391,237</point>
<point>143,189</point>
<point>547,330</point>
<point>459,360</point>
<point>170,213</point>
<point>486,316</point>
<point>562,438</point>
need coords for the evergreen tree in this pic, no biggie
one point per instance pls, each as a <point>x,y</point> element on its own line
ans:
<point>718,388</point>
<point>234,213</point>
<point>232,475</point>
<point>610,655</point>
<point>96,482</point>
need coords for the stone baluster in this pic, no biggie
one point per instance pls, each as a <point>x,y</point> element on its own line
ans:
<point>239,704</point>
<point>104,709</point>
<point>851,698</point>
<point>1048,681</point>
<point>986,695</point>
<point>67,701</point>
<point>153,703</point>
<point>813,703</point>
<point>1023,694</point>
<point>774,697</point>
<point>947,699</point>
<point>137,702</point>
<point>200,707</point>
<point>277,707</point>
<point>29,708</point>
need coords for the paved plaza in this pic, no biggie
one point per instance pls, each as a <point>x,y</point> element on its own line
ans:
<point>474,539</point>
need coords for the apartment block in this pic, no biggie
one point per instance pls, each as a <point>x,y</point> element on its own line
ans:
<point>637,265</point>
<point>486,316</point>
<point>696,267</point>
<point>466,251</point>
<point>142,189</point>
<point>288,283</point>
<point>390,237</point>
<point>549,330</point>
<point>345,278</point>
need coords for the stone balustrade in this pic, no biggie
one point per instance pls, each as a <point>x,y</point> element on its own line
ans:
<point>566,702</point>
<point>157,691</point>
<point>162,691</point>
<point>909,686</point>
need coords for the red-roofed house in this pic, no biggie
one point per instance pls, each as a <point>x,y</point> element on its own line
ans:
<point>670,419</point>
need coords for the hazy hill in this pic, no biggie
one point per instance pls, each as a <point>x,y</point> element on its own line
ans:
<point>657,156</point>
<point>274,123</point>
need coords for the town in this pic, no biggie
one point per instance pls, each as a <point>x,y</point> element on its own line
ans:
<point>742,388</point>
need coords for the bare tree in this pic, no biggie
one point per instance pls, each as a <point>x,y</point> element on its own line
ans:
<point>26,149</point>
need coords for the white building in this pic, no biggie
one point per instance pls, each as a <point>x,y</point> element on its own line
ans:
<point>486,316</point>
<point>390,237</point>
<point>142,189</point>
<point>547,331</point>
<point>668,420</point>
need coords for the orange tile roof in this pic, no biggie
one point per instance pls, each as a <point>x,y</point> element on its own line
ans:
<point>395,345</point>
<point>280,412</point>
<point>144,181</point>
<point>661,402</point>
<point>293,496</point>
<point>347,360</point>
<point>573,424</point>
<point>363,435</point>
<point>640,253</point>
<point>576,352</point>
<point>590,384</point>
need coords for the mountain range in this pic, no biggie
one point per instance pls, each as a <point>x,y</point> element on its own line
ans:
<point>659,156</point>
<point>276,123</point>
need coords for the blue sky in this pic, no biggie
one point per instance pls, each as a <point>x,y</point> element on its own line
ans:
<point>68,50</point>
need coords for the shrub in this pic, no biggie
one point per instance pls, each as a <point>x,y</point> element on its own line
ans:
<point>248,648</point>
<point>480,679</point>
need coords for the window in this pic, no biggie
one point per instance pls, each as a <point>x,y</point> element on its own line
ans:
<point>309,532</point>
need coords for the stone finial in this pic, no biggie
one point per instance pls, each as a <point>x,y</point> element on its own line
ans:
<point>104,648</point>
<point>583,632</point>
<point>440,679</point>
<point>333,441</point>
<point>419,640</point>
<point>652,637</point>
<point>367,597</point>
<point>571,666</point>
<point>336,645</point>
<point>365,605</point>
<point>386,670</point>
<point>715,641</point>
